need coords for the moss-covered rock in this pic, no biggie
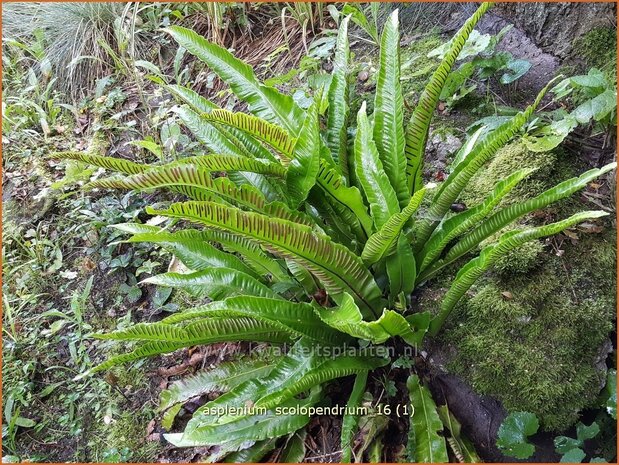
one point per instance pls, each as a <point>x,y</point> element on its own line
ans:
<point>537,341</point>
<point>520,260</point>
<point>507,160</point>
<point>598,48</point>
<point>534,341</point>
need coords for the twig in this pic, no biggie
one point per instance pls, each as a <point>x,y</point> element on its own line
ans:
<point>324,455</point>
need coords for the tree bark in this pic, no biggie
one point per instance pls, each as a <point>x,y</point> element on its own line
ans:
<point>554,26</point>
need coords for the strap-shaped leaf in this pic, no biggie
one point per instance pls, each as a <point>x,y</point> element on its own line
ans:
<point>461,446</point>
<point>347,198</point>
<point>459,178</point>
<point>456,225</point>
<point>304,165</point>
<point>248,251</point>
<point>262,425</point>
<point>205,331</point>
<point>467,147</point>
<point>271,188</point>
<point>189,96</point>
<point>218,163</point>
<point>109,163</point>
<point>383,242</point>
<point>371,175</point>
<point>401,269</point>
<point>269,133</point>
<point>215,330</point>
<point>236,141</point>
<point>253,454</point>
<point>295,449</point>
<point>144,350</point>
<point>470,272</point>
<point>338,269</point>
<point>306,279</point>
<point>417,129</point>
<point>222,378</point>
<point>194,251</point>
<point>294,317</point>
<point>215,454</point>
<point>429,446</point>
<point>131,168</point>
<point>509,214</point>
<point>300,359</point>
<point>245,144</point>
<point>246,174</point>
<point>348,319</point>
<point>389,111</point>
<point>332,368</point>
<point>175,175</point>
<point>338,111</point>
<point>350,419</point>
<point>337,221</point>
<point>137,228</point>
<point>220,139</point>
<point>187,175</point>
<point>265,102</point>
<point>214,282</point>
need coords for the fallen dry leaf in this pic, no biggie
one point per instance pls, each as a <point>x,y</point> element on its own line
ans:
<point>150,427</point>
<point>590,228</point>
<point>172,371</point>
<point>571,234</point>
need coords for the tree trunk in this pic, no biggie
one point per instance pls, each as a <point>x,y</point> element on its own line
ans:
<point>554,26</point>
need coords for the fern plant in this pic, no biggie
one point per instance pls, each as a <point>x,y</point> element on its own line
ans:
<point>303,238</point>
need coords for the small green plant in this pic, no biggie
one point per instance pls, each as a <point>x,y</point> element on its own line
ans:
<point>513,434</point>
<point>33,102</point>
<point>597,106</point>
<point>12,421</point>
<point>308,15</point>
<point>518,426</point>
<point>314,241</point>
<point>359,16</point>
<point>484,62</point>
<point>220,17</point>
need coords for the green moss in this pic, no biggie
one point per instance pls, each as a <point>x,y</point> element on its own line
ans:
<point>531,333</point>
<point>124,427</point>
<point>417,67</point>
<point>599,49</point>
<point>126,430</point>
<point>533,340</point>
<point>125,377</point>
<point>521,259</point>
<point>507,160</point>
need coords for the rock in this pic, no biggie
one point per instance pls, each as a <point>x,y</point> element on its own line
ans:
<point>444,146</point>
<point>481,417</point>
<point>363,76</point>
